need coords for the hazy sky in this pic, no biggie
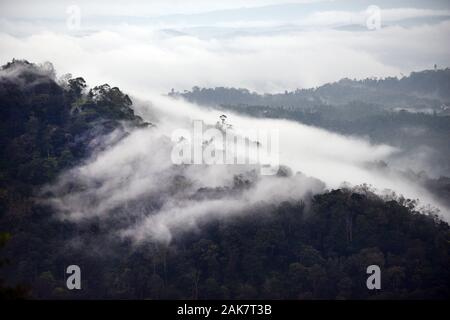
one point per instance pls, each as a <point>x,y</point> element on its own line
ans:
<point>53,8</point>
<point>266,46</point>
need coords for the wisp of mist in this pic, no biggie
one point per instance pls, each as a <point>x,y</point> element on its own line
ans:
<point>135,179</point>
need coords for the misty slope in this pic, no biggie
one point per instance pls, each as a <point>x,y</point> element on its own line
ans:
<point>46,127</point>
<point>282,236</point>
<point>420,90</point>
<point>411,113</point>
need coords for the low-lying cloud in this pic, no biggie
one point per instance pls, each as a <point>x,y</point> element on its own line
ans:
<point>136,183</point>
<point>158,60</point>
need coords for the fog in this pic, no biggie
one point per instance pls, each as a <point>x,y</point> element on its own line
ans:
<point>136,181</point>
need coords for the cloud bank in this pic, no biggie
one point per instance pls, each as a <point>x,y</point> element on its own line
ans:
<point>153,60</point>
<point>135,184</point>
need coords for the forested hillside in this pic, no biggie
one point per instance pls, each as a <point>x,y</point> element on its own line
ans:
<point>47,125</point>
<point>313,248</point>
<point>429,89</point>
<point>411,113</point>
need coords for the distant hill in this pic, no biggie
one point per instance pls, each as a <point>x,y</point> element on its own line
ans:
<point>411,113</point>
<point>419,90</point>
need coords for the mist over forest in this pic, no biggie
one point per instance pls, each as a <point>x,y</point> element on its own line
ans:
<point>351,169</point>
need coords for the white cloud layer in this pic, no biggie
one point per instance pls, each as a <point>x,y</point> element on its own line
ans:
<point>136,180</point>
<point>142,59</point>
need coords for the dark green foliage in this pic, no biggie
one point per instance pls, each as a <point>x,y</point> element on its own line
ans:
<point>296,251</point>
<point>7,292</point>
<point>44,125</point>
<point>287,252</point>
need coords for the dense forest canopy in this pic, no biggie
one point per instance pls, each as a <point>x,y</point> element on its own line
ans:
<point>316,247</point>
